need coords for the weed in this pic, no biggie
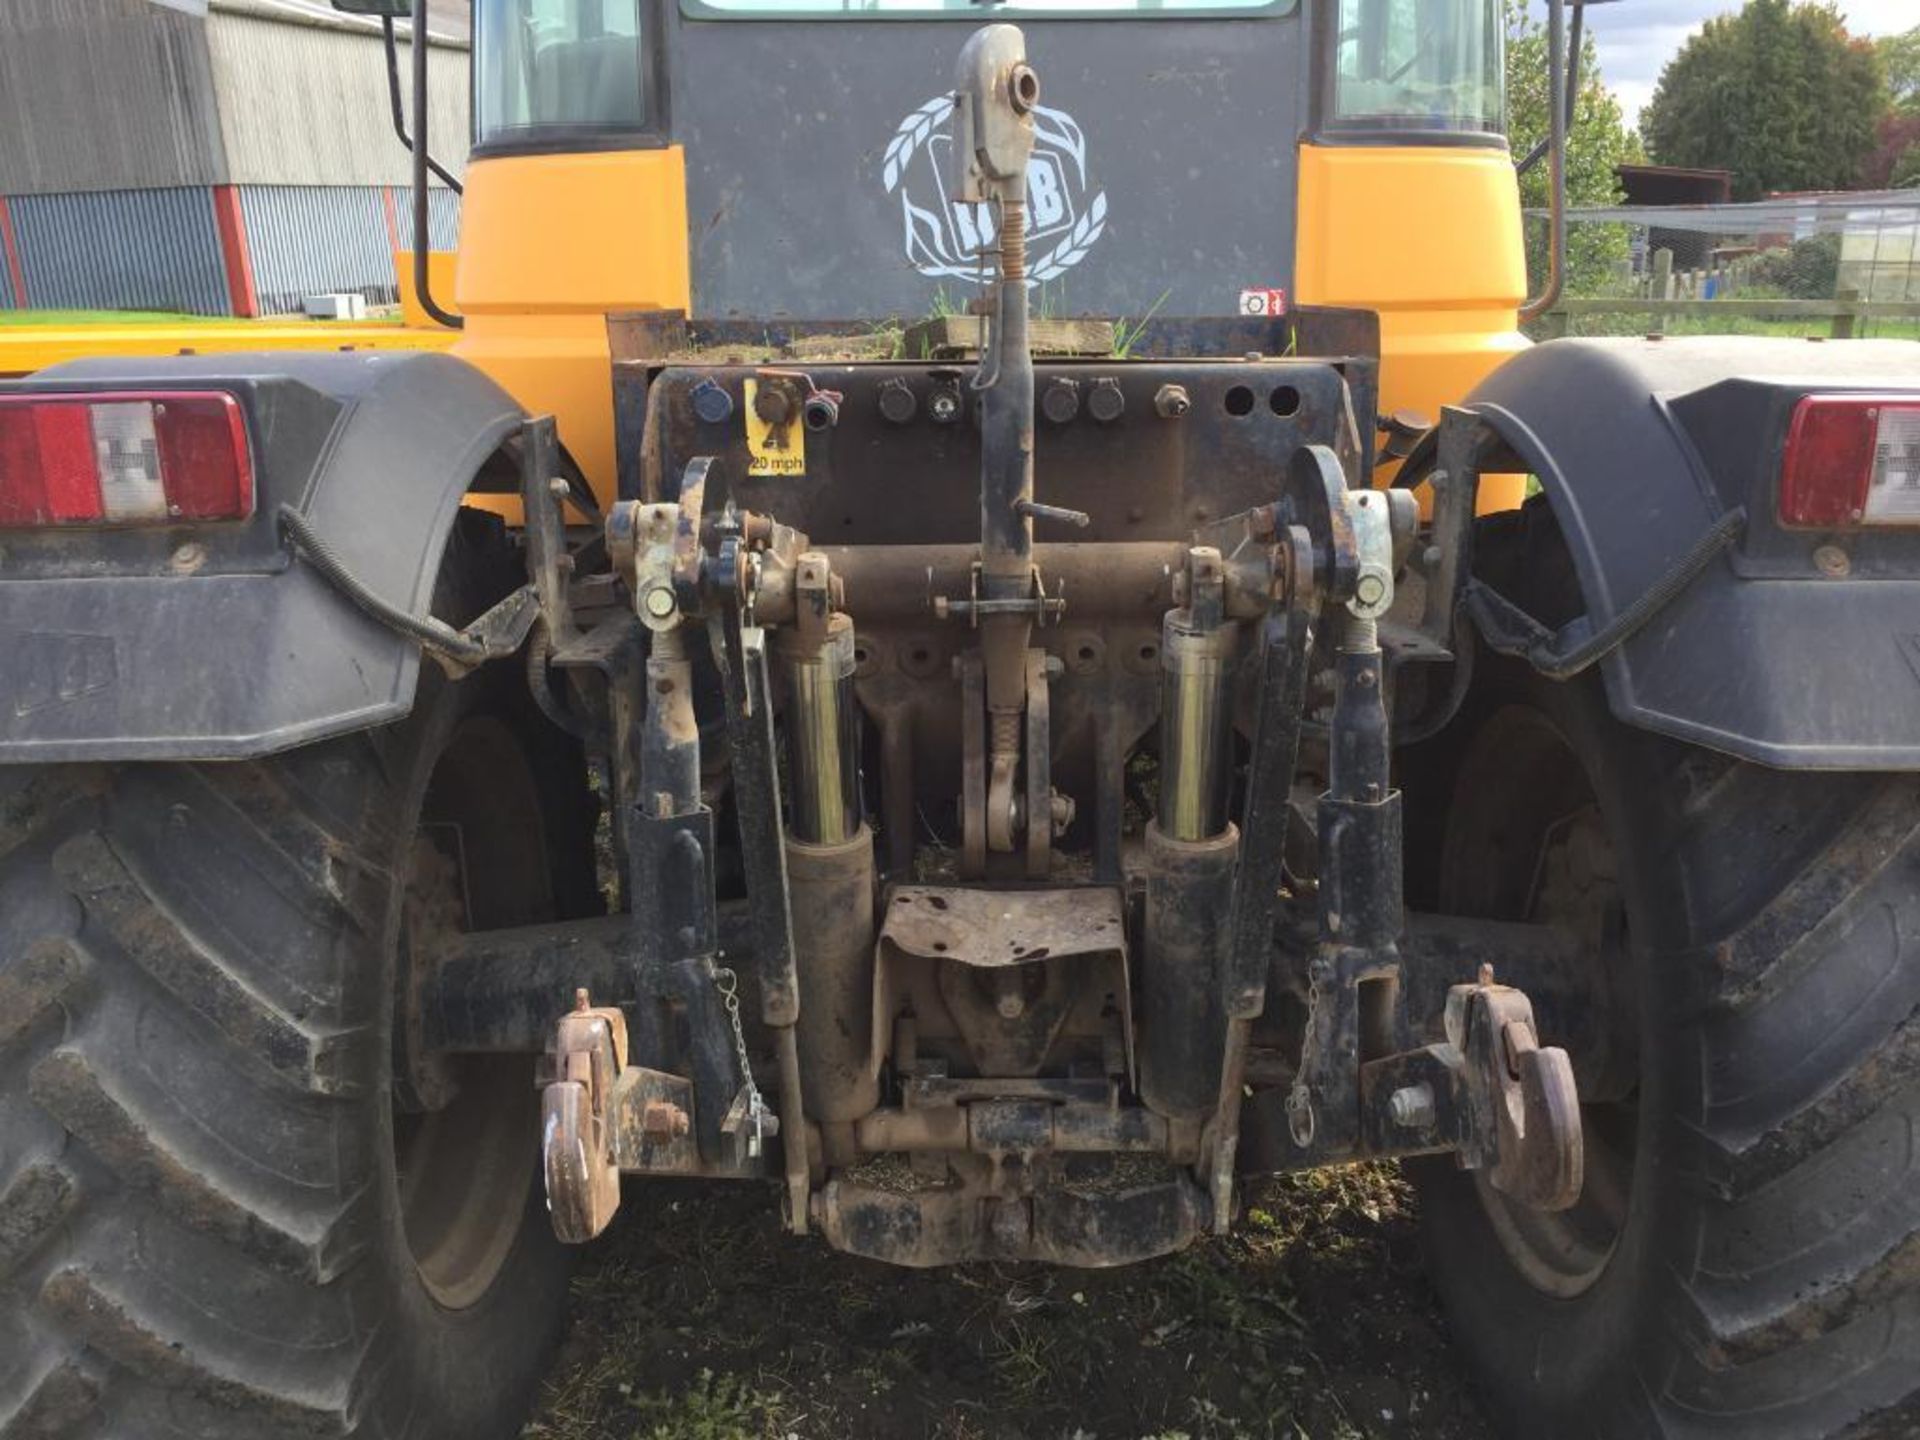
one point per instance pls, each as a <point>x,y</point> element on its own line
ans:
<point>1310,1322</point>
<point>1127,334</point>
<point>714,1407</point>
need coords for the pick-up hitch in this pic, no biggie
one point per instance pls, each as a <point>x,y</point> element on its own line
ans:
<point>1000,1061</point>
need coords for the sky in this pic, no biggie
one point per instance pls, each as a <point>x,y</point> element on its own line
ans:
<point>1638,37</point>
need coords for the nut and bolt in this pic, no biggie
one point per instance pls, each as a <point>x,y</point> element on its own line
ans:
<point>1172,401</point>
<point>662,1120</point>
<point>1411,1106</point>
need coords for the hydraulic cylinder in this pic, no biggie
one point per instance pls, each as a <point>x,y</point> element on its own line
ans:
<point>1191,848</point>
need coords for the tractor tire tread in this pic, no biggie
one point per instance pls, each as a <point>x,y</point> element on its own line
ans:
<point>1776,1293</point>
<point>184,1104</point>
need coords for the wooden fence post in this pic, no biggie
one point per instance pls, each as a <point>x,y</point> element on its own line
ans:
<point>1844,323</point>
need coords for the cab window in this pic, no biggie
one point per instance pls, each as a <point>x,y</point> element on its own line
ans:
<point>554,69</point>
<point>979,9</point>
<point>1430,65</point>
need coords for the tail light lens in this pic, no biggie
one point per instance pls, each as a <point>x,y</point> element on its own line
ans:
<point>123,459</point>
<point>1852,460</point>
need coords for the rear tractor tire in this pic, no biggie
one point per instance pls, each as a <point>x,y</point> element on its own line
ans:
<point>229,1204</point>
<point>1745,1258</point>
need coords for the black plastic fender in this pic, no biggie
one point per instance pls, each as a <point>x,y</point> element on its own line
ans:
<point>213,641</point>
<point>1772,654</point>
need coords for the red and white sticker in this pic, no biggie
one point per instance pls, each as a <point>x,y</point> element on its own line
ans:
<point>1263,302</point>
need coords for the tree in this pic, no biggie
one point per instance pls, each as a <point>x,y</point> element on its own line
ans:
<point>1780,94</point>
<point>1597,142</point>
<point>1897,140</point>
<point>1900,57</point>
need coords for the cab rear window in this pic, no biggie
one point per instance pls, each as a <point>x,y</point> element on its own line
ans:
<point>568,66</point>
<point>977,11</point>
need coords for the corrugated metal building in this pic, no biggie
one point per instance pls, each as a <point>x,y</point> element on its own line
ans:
<point>211,156</point>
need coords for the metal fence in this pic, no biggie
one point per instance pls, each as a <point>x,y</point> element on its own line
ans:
<point>163,249</point>
<point>120,250</point>
<point>1832,265</point>
<point>313,239</point>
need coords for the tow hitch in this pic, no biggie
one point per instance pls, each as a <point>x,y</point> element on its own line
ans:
<point>1014,1058</point>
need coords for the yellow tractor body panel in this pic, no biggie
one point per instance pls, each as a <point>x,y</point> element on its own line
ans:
<point>550,245</point>
<point>1429,236</point>
<point>26,348</point>
<point>442,267</point>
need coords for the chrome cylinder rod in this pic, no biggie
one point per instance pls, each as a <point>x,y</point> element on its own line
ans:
<point>1196,726</point>
<point>823,734</point>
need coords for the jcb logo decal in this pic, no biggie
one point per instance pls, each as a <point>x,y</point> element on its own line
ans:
<point>947,241</point>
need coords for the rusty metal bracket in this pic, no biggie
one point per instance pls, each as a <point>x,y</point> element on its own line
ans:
<point>576,1137</point>
<point>1521,1095</point>
<point>544,492</point>
<point>1044,608</point>
<point>1039,747</point>
<point>652,1123</point>
<point>1281,673</point>
<point>1491,1092</point>
<point>973,765</point>
<point>953,1224</point>
<point>688,556</point>
<point>1008,965</point>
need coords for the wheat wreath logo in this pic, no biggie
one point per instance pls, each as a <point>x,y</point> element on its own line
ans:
<point>945,240</point>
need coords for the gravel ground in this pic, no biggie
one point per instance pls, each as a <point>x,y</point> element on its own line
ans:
<point>695,1319</point>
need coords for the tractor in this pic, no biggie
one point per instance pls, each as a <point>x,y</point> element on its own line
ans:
<point>1205,700</point>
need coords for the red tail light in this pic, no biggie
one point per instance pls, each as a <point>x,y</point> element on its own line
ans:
<point>123,459</point>
<point>1852,460</point>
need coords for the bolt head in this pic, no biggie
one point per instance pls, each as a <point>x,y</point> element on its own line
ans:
<point>663,1120</point>
<point>659,602</point>
<point>1370,589</point>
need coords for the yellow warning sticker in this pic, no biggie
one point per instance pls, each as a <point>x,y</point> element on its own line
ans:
<point>774,447</point>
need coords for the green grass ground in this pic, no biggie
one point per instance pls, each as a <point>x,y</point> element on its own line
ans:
<point>154,317</point>
<point>100,317</point>
<point>696,1319</point>
<point>1737,325</point>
